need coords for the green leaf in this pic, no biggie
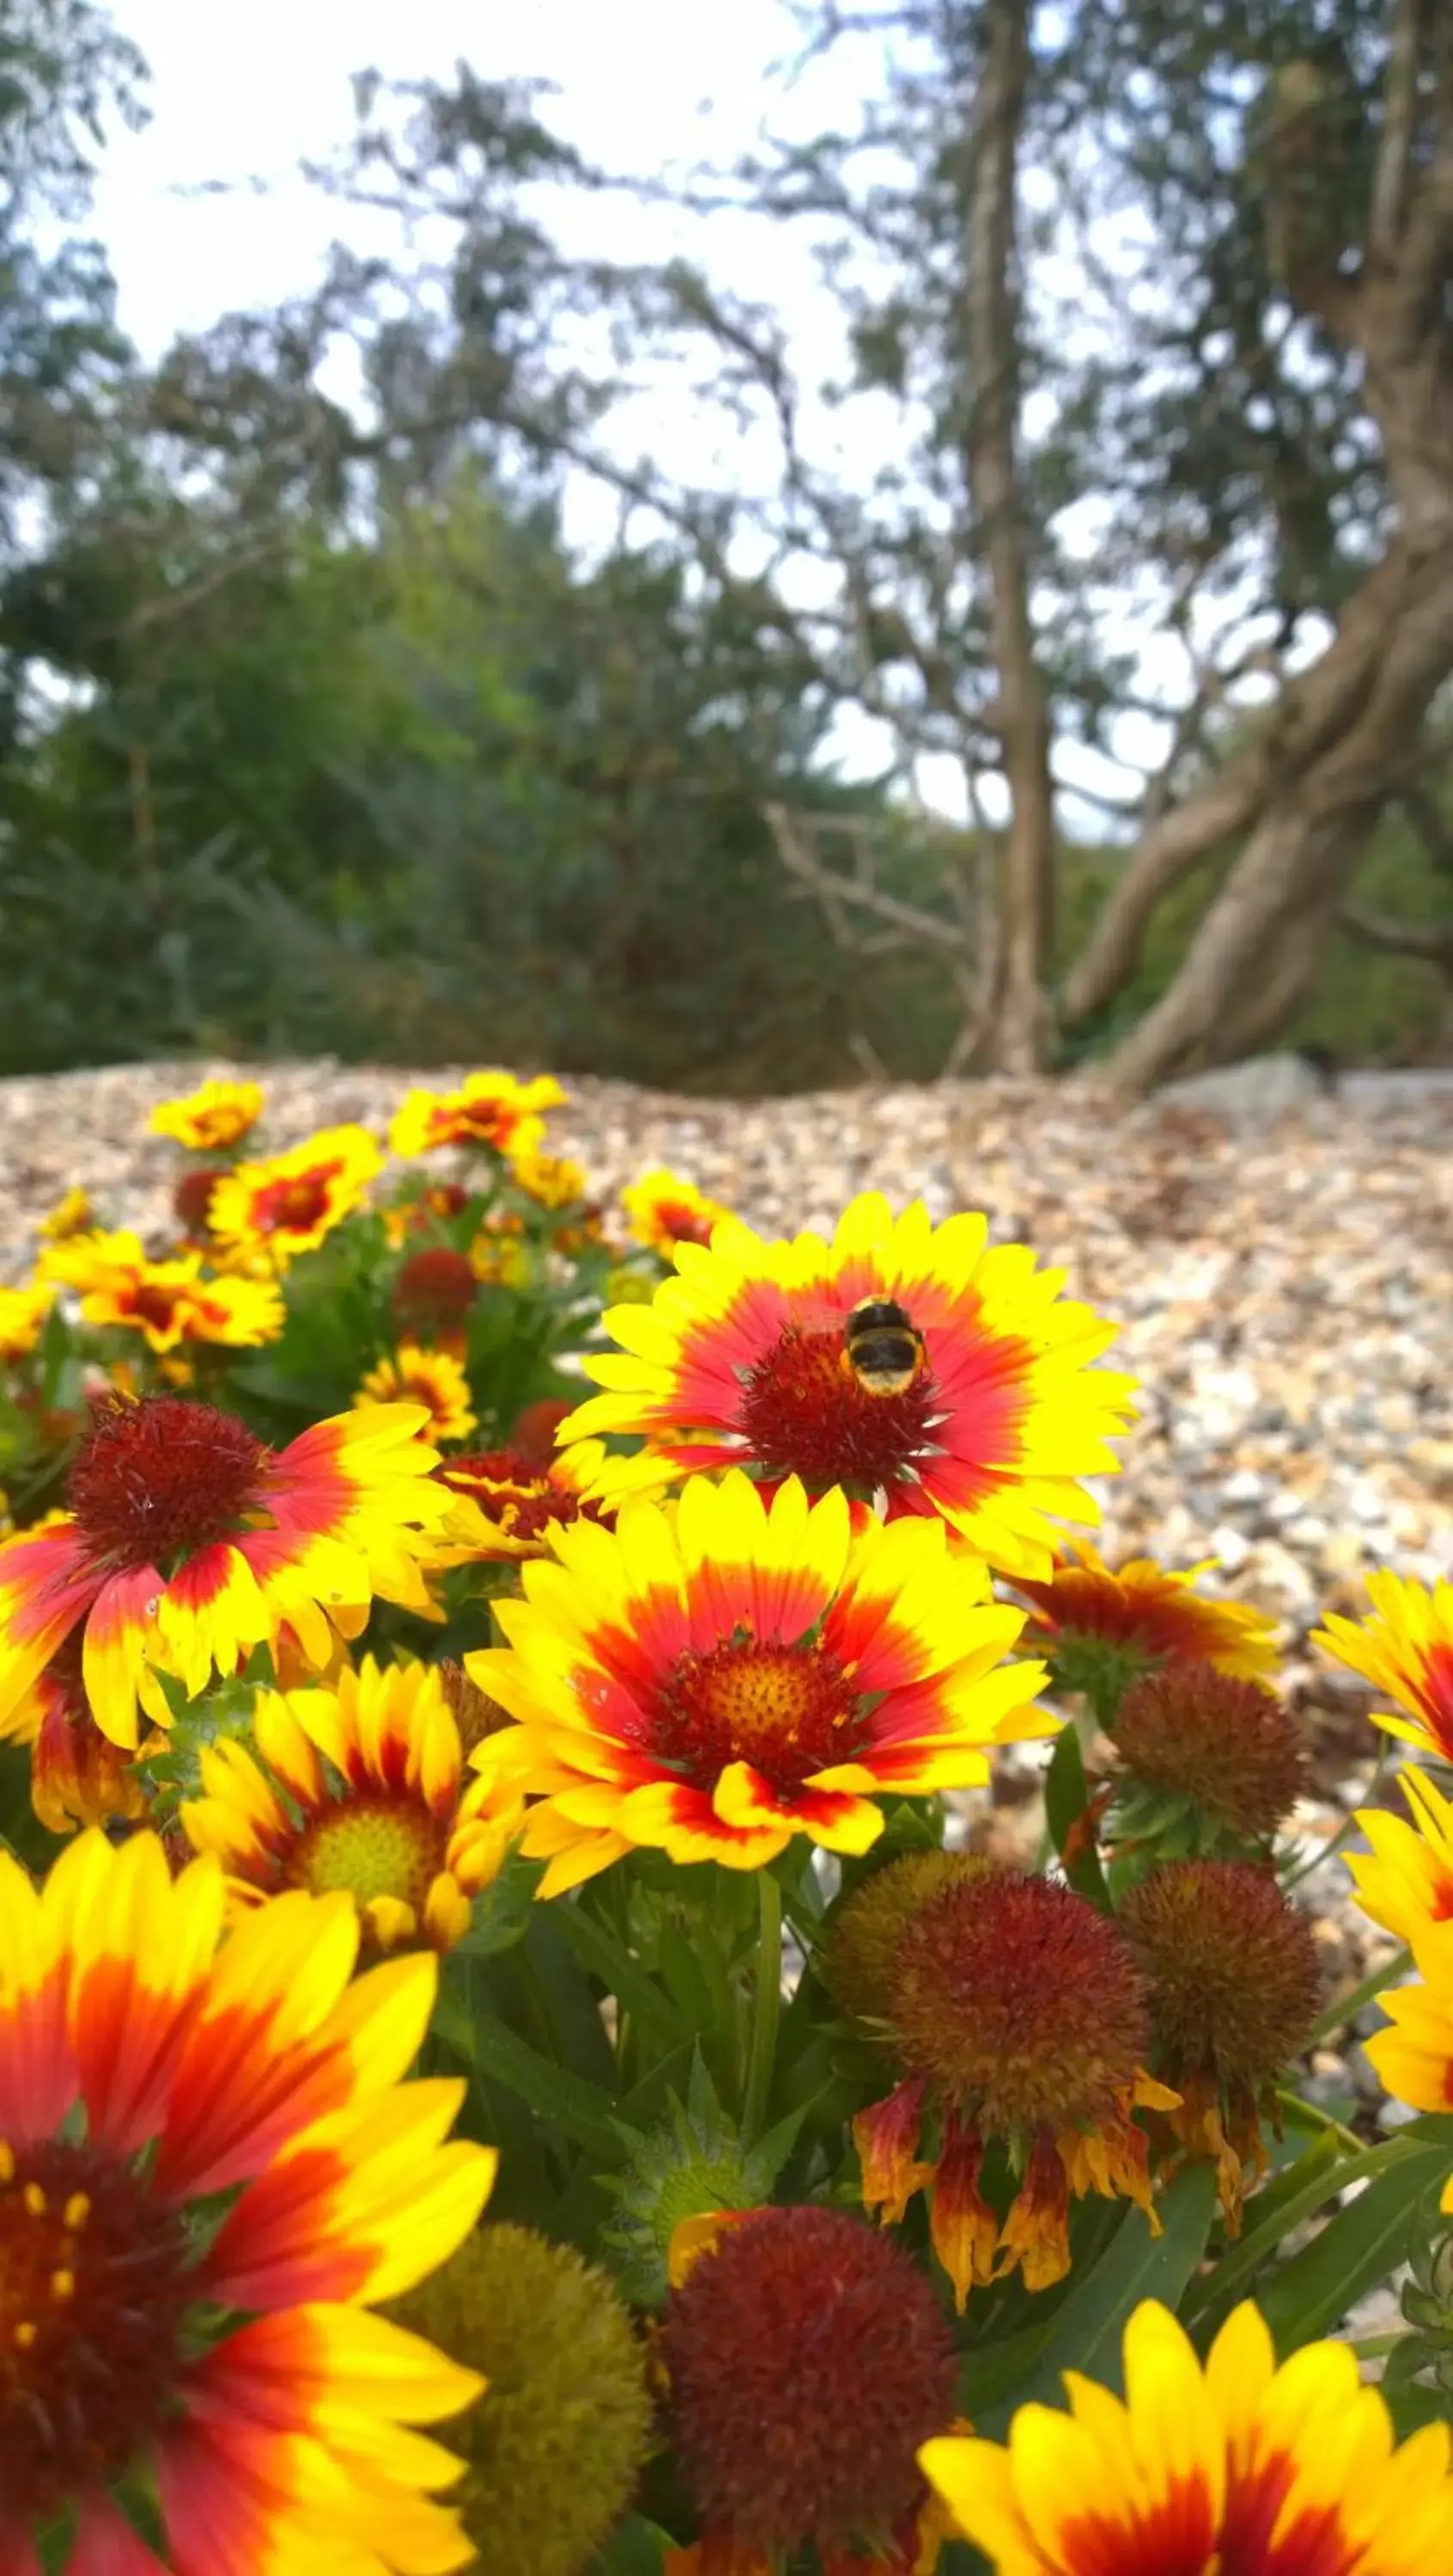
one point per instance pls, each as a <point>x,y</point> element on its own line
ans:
<point>1088,2328</point>
<point>635,2548</point>
<point>501,1913</point>
<point>1208,2299</point>
<point>1356,2249</point>
<point>607,1958</point>
<point>1066,1798</point>
<point>577,2109</point>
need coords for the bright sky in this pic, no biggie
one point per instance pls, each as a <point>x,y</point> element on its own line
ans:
<point>247,91</point>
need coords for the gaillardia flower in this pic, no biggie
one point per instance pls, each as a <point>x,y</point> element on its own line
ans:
<point>1231,2467</point>
<point>742,1359</point>
<point>520,1496</point>
<point>433,1379</point>
<point>288,1204</point>
<point>170,1303</point>
<point>1207,1762</point>
<point>360,1787</point>
<point>1414,2056</point>
<point>77,1775</point>
<point>1235,1984</point>
<point>717,1677</point>
<point>187,1541</point>
<point>1405,1649</point>
<point>22,1318</point>
<point>490,1108</point>
<point>1020,2015</point>
<point>551,2456</point>
<point>210,1119</point>
<point>209,2170</point>
<point>1405,1882</point>
<point>552,1180</point>
<point>661,1211</point>
<point>807,2360</point>
<point>1102,1630</point>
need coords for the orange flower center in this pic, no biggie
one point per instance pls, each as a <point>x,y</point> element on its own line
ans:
<point>788,1710</point>
<point>371,1847</point>
<point>93,2290</point>
<point>297,1205</point>
<point>155,1481</point>
<point>804,1414</point>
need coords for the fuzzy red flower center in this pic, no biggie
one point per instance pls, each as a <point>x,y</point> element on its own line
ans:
<point>1021,1999</point>
<point>192,1197</point>
<point>804,1414</point>
<point>788,1710</point>
<point>93,2289</point>
<point>294,1205</point>
<point>153,1482</point>
<point>371,1846</point>
<point>434,1290</point>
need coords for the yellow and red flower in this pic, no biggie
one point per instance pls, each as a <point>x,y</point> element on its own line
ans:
<point>1405,1882</point>
<point>741,1360</point>
<point>360,1787</point>
<point>22,1319</point>
<point>72,1214</point>
<point>210,1119</point>
<point>287,1204</point>
<point>170,1302</point>
<point>157,2079</point>
<point>1405,1649</point>
<point>1018,2011</point>
<point>661,1210</point>
<point>551,1180</point>
<point>521,1496</point>
<point>1139,1617</point>
<point>1232,2465</point>
<point>434,1379</point>
<point>187,1541</point>
<point>712,1678</point>
<point>490,1108</point>
<point>77,1775</point>
<point>1414,2055</point>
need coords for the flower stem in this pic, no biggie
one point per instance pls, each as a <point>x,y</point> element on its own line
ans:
<point>1347,2007</point>
<point>1291,2100</point>
<point>766,2007</point>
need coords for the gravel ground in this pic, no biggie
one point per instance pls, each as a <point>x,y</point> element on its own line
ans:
<point>1285,1289</point>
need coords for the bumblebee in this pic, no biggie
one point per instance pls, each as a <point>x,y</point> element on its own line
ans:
<point>883,1347</point>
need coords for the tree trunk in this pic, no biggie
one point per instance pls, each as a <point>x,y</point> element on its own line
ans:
<point>991,328</point>
<point>1255,956</point>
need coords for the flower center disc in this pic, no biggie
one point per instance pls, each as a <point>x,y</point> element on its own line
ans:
<point>153,1482</point>
<point>788,1710</point>
<point>93,2290</point>
<point>293,1206</point>
<point>804,1414</point>
<point>372,1847</point>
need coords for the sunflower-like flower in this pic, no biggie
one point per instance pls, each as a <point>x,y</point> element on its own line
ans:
<point>72,1214</point>
<point>1102,1630</point>
<point>662,1210</point>
<point>434,1379</point>
<point>1405,1882</point>
<point>187,1541</point>
<point>22,1319</point>
<point>521,1497</point>
<point>211,1118</point>
<point>1405,1649</point>
<point>743,1359</point>
<point>1231,2464</point>
<point>551,1180</point>
<point>1414,2055</point>
<point>552,2455</point>
<point>360,1787</point>
<point>713,1679</point>
<point>209,2171</point>
<point>1235,1984</point>
<point>490,1108</point>
<point>807,2361</point>
<point>499,1256</point>
<point>287,1204</point>
<point>169,1302</point>
<point>1021,2017</point>
<point>77,1775</point>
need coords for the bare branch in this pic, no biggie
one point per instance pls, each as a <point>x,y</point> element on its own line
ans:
<point>1398,938</point>
<point>1399,128</point>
